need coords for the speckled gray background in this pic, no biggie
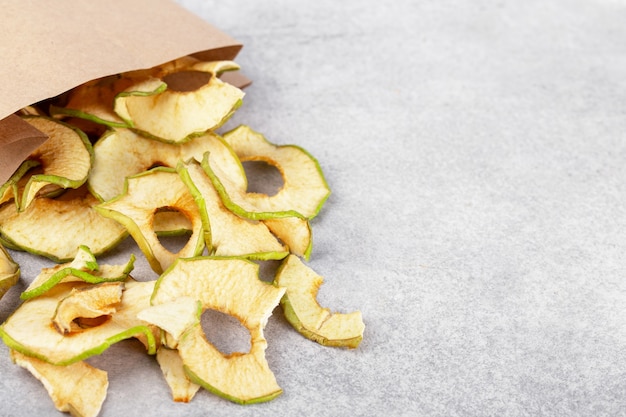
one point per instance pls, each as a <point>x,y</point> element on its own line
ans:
<point>477,156</point>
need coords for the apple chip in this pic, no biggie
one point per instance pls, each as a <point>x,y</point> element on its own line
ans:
<point>93,100</point>
<point>304,189</point>
<point>87,306</point>
<point>183,308</point>
<point>121,153</point>
<point>307,316</point>
<point>231,286</point>
<point>30,331</point>
<point>65,158</point>
<point>215,68</point>
<point>183,390</point>
<point>83,268</point>
<point>56,227</point>
<point>9,271</point>
<point>10,190</point>
<point>291,227</point>
<point>228,234</point>
<point>78,389</point>
<point>195,101</point>
<point>146,193</point>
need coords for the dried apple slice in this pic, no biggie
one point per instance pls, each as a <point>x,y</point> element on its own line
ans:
<point>83,268</point>
<point>307,316</point>
<point>183,390</point>
<point>288,225</point>
<point>29,330</point>
<point>86,306</point>
<point>121,153</point>
<point>146,193</point>
<point>304,189</point>
<point>78,389</point>
<point>9,271</point>
<point>65,158</point>
<point>184,308</point>
<point>10,189</point>
<point>94,100</point>
<point>227,234</point>
<point>56,227</point>
<point>215,68</point>
<point>178,114</point>
<point>231,286</point>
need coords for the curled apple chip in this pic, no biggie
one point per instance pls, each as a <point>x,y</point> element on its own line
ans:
<point>231,286</point>
<point>228,234</point>
<point>194,101</point>
<point>86,306</point>
<point>30,331</point>
<point>135,209</point>
<point>9,271</point>
<point>56,227</point>
<point>83,268</point>
<point>65,159</point>
<point>78,388</point>
<point>10,190</point>
<point>307,316</point>
<point>121,153</point>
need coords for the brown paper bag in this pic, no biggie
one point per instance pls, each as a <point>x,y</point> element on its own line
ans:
<point>51,47</point>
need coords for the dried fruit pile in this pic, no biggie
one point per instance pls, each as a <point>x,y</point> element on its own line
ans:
<point>138,154</point>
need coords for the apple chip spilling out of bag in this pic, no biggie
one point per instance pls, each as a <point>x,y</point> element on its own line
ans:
<point>138,155</point>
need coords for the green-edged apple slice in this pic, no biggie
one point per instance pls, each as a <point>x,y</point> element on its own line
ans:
<point>291,227</point>
<point>56,227</point>
<point>121,153</point>
<point>194,102</point>
<point>135,209</point>
<point>231,286</point>
<point>93,100</point>
<point>226,233</point>
<point>307,316</point>
<point>9,271</point>
<point>65,158</point>
<point>83,268</point>
<point>30,331</point>
<point>304,189</point>
<point>78,388</point>
<point>10,190</point>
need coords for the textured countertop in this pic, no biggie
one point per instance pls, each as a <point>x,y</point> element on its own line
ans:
<point>476,153</point>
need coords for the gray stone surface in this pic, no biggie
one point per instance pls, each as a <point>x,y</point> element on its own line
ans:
<point>476,153</point>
